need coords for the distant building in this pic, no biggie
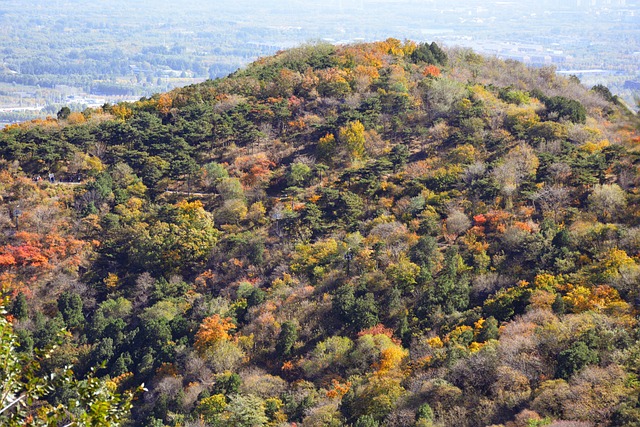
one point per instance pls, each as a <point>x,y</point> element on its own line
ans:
<point>540,60</point>
<point>632,85</point>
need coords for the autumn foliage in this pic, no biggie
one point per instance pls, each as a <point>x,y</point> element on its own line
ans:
<point>387,233</point>
<point>213,330</point>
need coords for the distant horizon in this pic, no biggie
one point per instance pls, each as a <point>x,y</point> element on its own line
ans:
<point>50,50</point>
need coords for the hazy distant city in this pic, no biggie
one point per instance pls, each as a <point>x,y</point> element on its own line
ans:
<point>82,54</point>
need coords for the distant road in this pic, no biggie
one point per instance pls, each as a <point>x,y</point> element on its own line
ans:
<point>189,193</point>
<point>179,192</point>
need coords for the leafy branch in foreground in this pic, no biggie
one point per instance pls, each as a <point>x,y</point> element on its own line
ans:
<point>24,388</point>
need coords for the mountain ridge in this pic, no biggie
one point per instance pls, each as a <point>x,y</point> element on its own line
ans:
<point>377,234</point>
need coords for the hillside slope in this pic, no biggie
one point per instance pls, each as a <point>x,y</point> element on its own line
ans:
<point>376,234</point>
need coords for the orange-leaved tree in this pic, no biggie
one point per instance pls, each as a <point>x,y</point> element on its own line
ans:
<point>214,329</point>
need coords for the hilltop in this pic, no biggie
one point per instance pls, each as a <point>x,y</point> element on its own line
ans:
<point>375,234</point>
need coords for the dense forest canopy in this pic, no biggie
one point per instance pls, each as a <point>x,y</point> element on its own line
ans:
<point>82,53</point>
<point>382,234</point>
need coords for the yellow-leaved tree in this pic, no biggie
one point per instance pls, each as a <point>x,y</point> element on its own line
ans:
<point>352,136</point>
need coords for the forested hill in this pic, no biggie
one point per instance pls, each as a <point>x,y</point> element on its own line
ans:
<point>382,234</point>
